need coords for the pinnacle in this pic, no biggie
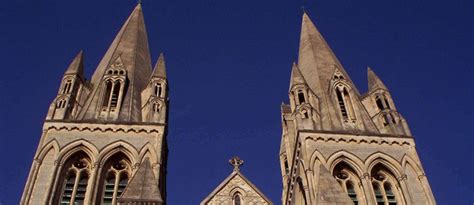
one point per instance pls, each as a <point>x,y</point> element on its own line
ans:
<point>77,65</point>
<point>296,77</point>
<point>374,81</point>
<point>160,67</point>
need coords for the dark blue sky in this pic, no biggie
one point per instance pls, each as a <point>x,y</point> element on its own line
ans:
<point>229,67</point>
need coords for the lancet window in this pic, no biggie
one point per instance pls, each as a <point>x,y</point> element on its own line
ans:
<point>112,95</point>
<point>61,103</point>
<point>382,102</point>
<point>301,97</point>
<point>74,183</point>
<point>114,178</point>
<point>158,89</point>
<point>67,86</point>
<point>384,185</point>
<point>156,107</point>
<point>348,179</point>
<point>237,199</point>
<point>345,103</point>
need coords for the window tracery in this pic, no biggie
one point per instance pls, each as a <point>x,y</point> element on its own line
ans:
<point>348,179</point>
<point>74,185</point>
<point>383,184</point>
<point>345,104</point>
<point>114,178</point>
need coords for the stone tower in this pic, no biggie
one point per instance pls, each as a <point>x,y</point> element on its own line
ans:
<point>341,147</point>
<point>103,137</point>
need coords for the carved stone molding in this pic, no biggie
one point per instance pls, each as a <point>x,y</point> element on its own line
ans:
<point>402,178</point>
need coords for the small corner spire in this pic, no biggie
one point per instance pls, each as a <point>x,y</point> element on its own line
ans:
<point>77,65</point>
<point>374,81</point>
<point>296,77</point>
<point>160,67</point>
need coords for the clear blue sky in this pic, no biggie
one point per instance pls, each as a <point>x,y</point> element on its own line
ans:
<point>229,67</point>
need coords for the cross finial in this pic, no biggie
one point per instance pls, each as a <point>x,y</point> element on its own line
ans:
<point>236,162</point>
<point>139,1</point>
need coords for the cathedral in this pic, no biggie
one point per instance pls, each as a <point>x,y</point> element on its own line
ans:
<point>104,140</point>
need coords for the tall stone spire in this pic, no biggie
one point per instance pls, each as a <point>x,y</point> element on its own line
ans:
<point>321,70</point>
<point>374,81</point>
<point>316,60</point>
<point>160,67</point>
<point>77,66</point>
<point>128,51</point>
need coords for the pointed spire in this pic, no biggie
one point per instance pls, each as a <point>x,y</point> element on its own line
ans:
<point>130,46</point>
<point>160,67</point>
<point>316,60</point>
<point>77,65</point>
<point>296,77</point>
<point>374,81</point>
<point>143,186</point>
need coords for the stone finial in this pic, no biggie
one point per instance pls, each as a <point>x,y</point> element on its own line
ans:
<point>236,162</point>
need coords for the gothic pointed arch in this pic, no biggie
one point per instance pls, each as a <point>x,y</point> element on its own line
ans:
<point>74,177</point>
<point>148,151</point>
<point>118,146</point>
<point>78,145</point>
<point>386,160</point>
<point>343,98</point>
<point>407,160</point>
<point>316,156</point>
<point>53,144</point>
<point>385,186</point>
<point>115,174</point>
<point>350,181</point>
<point>349,158</point>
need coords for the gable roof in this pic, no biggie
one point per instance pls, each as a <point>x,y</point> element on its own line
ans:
<point>226,181</point>
<point>143,186</point>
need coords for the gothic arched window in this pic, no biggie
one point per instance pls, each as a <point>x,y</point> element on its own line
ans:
<point>342,105</point>
<point>384,184</point>
<point>301,98</point>
<point>158,90</point>
<point>112,94</point>
<point>74,183</point>
<point>379,103</point>
<point>115,95</point>
<point>106,97</point>
<point>237,199</point>
<point>67,87</point>
<point>156,107</point>
<point>345,103</point>
<point>348,179</point>
<point>114,178</point>
<point>382,102</point>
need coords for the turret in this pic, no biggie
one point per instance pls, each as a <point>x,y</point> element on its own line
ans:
<point>71,92</point>
<point>304,104</point>
<point>379,104</point>
<point>155,95</point>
